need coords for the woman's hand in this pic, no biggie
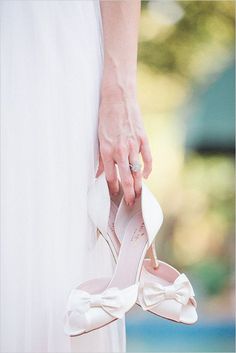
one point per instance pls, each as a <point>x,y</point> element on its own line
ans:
<point>121,139</point>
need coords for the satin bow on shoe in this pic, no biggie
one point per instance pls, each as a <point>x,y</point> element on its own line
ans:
<point>108,305</point>
<point>154,293</point>
<point>113,300</point>
<point>168,294</point>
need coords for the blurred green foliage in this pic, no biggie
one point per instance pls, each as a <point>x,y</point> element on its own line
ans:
<point>177,55</point>
<point>204,24</point>
<point>214,275</point>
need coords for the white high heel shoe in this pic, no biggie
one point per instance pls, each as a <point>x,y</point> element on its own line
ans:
<point>88,306</point>
<point>163,291</point>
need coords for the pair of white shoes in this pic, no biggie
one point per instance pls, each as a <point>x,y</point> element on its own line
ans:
<point>152,284</point>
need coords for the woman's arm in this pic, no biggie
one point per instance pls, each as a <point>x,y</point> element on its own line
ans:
<point>121,132</point>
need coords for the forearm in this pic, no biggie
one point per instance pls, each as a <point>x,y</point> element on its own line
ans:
<point>120,20</point>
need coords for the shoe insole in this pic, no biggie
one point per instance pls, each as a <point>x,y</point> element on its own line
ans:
<point>112,238</point>
<point>132,252</point>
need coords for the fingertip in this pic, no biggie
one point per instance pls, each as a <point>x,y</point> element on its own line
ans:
<point>145,175</point>
<point>138,194</point>
<point>114,188</point>
<point>99,172</point>
<point>130,202</point>
<point>115,192</point>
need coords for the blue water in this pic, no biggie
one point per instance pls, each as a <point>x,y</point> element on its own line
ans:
<point>149,333</point>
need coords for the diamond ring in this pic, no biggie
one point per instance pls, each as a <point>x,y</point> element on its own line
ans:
<point>135,167</point>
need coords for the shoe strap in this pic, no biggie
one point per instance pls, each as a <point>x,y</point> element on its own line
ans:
<point>99,203</point>
<point>152,213</point>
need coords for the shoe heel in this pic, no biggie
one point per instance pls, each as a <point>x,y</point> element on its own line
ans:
<point>98,233</point>
<point>151,253</point>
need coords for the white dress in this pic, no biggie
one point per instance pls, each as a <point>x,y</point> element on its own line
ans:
<point>51,65</point>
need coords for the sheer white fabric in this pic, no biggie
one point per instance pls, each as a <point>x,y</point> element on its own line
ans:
<point>51,65</point>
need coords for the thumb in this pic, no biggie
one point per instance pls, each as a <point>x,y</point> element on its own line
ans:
<point>100,167</point>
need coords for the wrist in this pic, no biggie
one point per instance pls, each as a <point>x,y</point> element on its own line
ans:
<point>119,78</point>
<point>118,91</point>
<point>119,87</point>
